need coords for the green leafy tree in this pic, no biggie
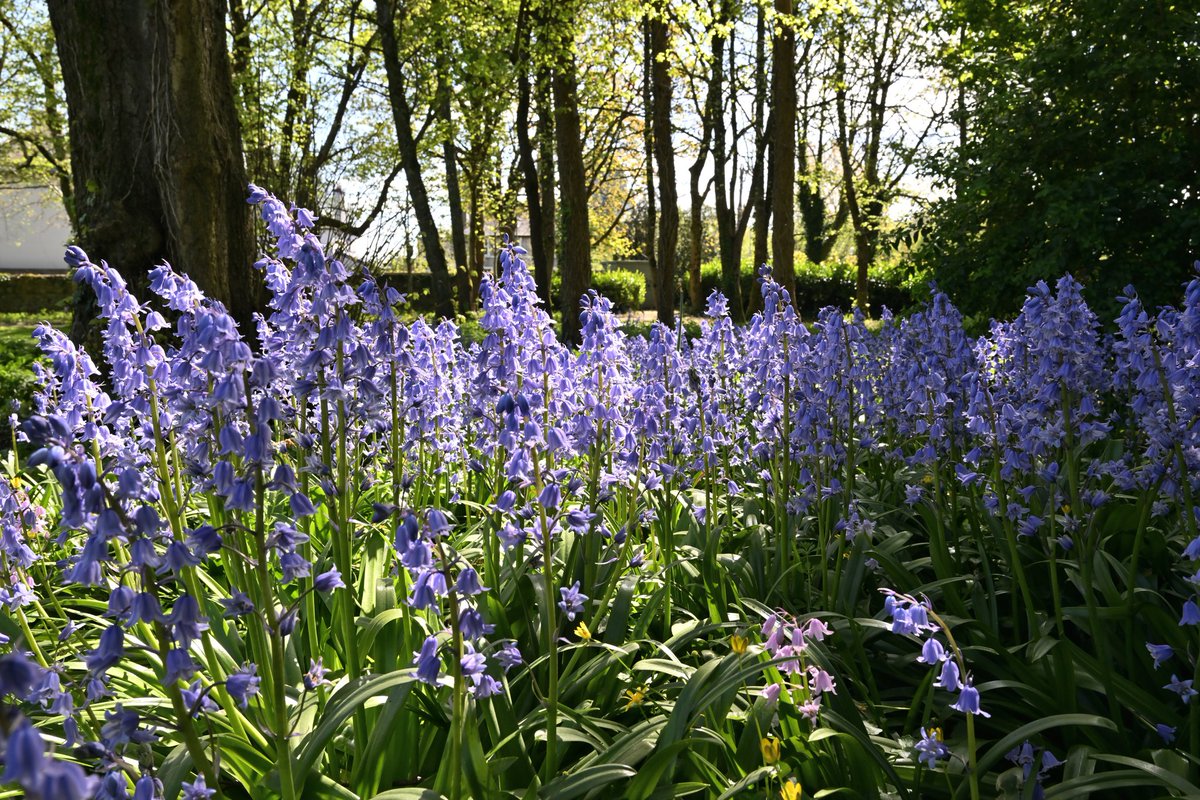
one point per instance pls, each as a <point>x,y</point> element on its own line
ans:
<point>33,122</point>
<point>1079,125</point>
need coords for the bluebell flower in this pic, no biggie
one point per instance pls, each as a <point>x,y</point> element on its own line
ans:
<point>315,676</point>
<point>237,604</point>
<point>1160,652</point>
<point>110,650</point>
<point>62,780</point>
<point>550,496</point>
<point>968,701</point>
<point>572,600</point>
<point>949,678</point>
<point>123,726</point>
<point>243,684</point>
<point>508,656</point>
<point>186,621</point>
<point>932,652</point>
<point>328,581</point>
<point>472,663</point>
<point>472,625</point>
<point>196,699</point>
<point>196,790</point>
<point>145,788</point>
<point>179,667</point>
<point>1191,613</point>
<point>1182,688</point>
<point>468,583</point>
<point>294,566</point>
<point>1166,732</point>
<point>427,588</point>
<point>429,666</point>
<point>24,755</point>
<point>931,749</point>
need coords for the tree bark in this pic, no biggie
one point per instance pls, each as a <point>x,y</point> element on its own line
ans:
<point>576,250</point>
<point>664,156</point>
<point>783,151</point>
<point>762,200</point>
<point>435,255</point>
<point>529,168</point>
<point>544,99</point>
<point>648,121</point>
<point>864,211</point>
<point>715,109</point>
<point>156,153</point>
<point>458,235</point>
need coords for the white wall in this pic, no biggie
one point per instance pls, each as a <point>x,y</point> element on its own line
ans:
<point>34,229</point>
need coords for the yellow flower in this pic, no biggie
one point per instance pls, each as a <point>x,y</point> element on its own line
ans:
<point>927,480</point>
<point>739,644</point>
<point>636,697</point>
<point>770,750</point>
<point>1066,509</point>
<point>791,790</point>
<point>936,733</point>
<point>581,630</point>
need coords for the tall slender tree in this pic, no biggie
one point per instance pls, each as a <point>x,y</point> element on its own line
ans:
<point>783,145</point>
<point>664,158</point>
<point>575,251</point>
<point>534,195</point>
<point>435,254</point>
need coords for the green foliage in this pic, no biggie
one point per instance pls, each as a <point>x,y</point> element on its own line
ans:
<point>18,351</point>
<point>830,283</point>
<point>1080,153</point>
<point>626,288</point>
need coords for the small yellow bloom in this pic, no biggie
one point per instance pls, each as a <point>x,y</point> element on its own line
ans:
<point>636,697</point>
<point>927,480</point>
<point>770,750</point>
<point>791,790</point>
<point>1066,508</point>
<point>739,644</point>
<point>936,733</point>
<point>581,630</point>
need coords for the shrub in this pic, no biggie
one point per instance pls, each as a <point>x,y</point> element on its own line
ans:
<point>831,283</point>
<point>626,288</point>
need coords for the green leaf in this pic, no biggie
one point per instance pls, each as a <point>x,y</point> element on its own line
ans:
<point>341,706</point>
<point>746,782</point>
<point>585,780</point>
<point>997,751</point>
<point>1165,776</point>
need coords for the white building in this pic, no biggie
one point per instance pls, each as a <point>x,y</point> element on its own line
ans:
<point>34,229</point>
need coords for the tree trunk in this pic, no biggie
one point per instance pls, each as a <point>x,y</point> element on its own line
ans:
<point>458,236</point>
<point>648,132</point>
<point>543,95</point>
<point>664,156</point>
<point>761,200</point>
<point>863,213</point>
<point>576,245</point>
<point>435,255</point>
<point>529,168</point>
<point>156,152</point>
<point>715,110</point>
<point>783,150</point>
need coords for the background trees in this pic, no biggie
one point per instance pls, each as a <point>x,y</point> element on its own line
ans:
<point>1079,128</point>
<point>984,144</point>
